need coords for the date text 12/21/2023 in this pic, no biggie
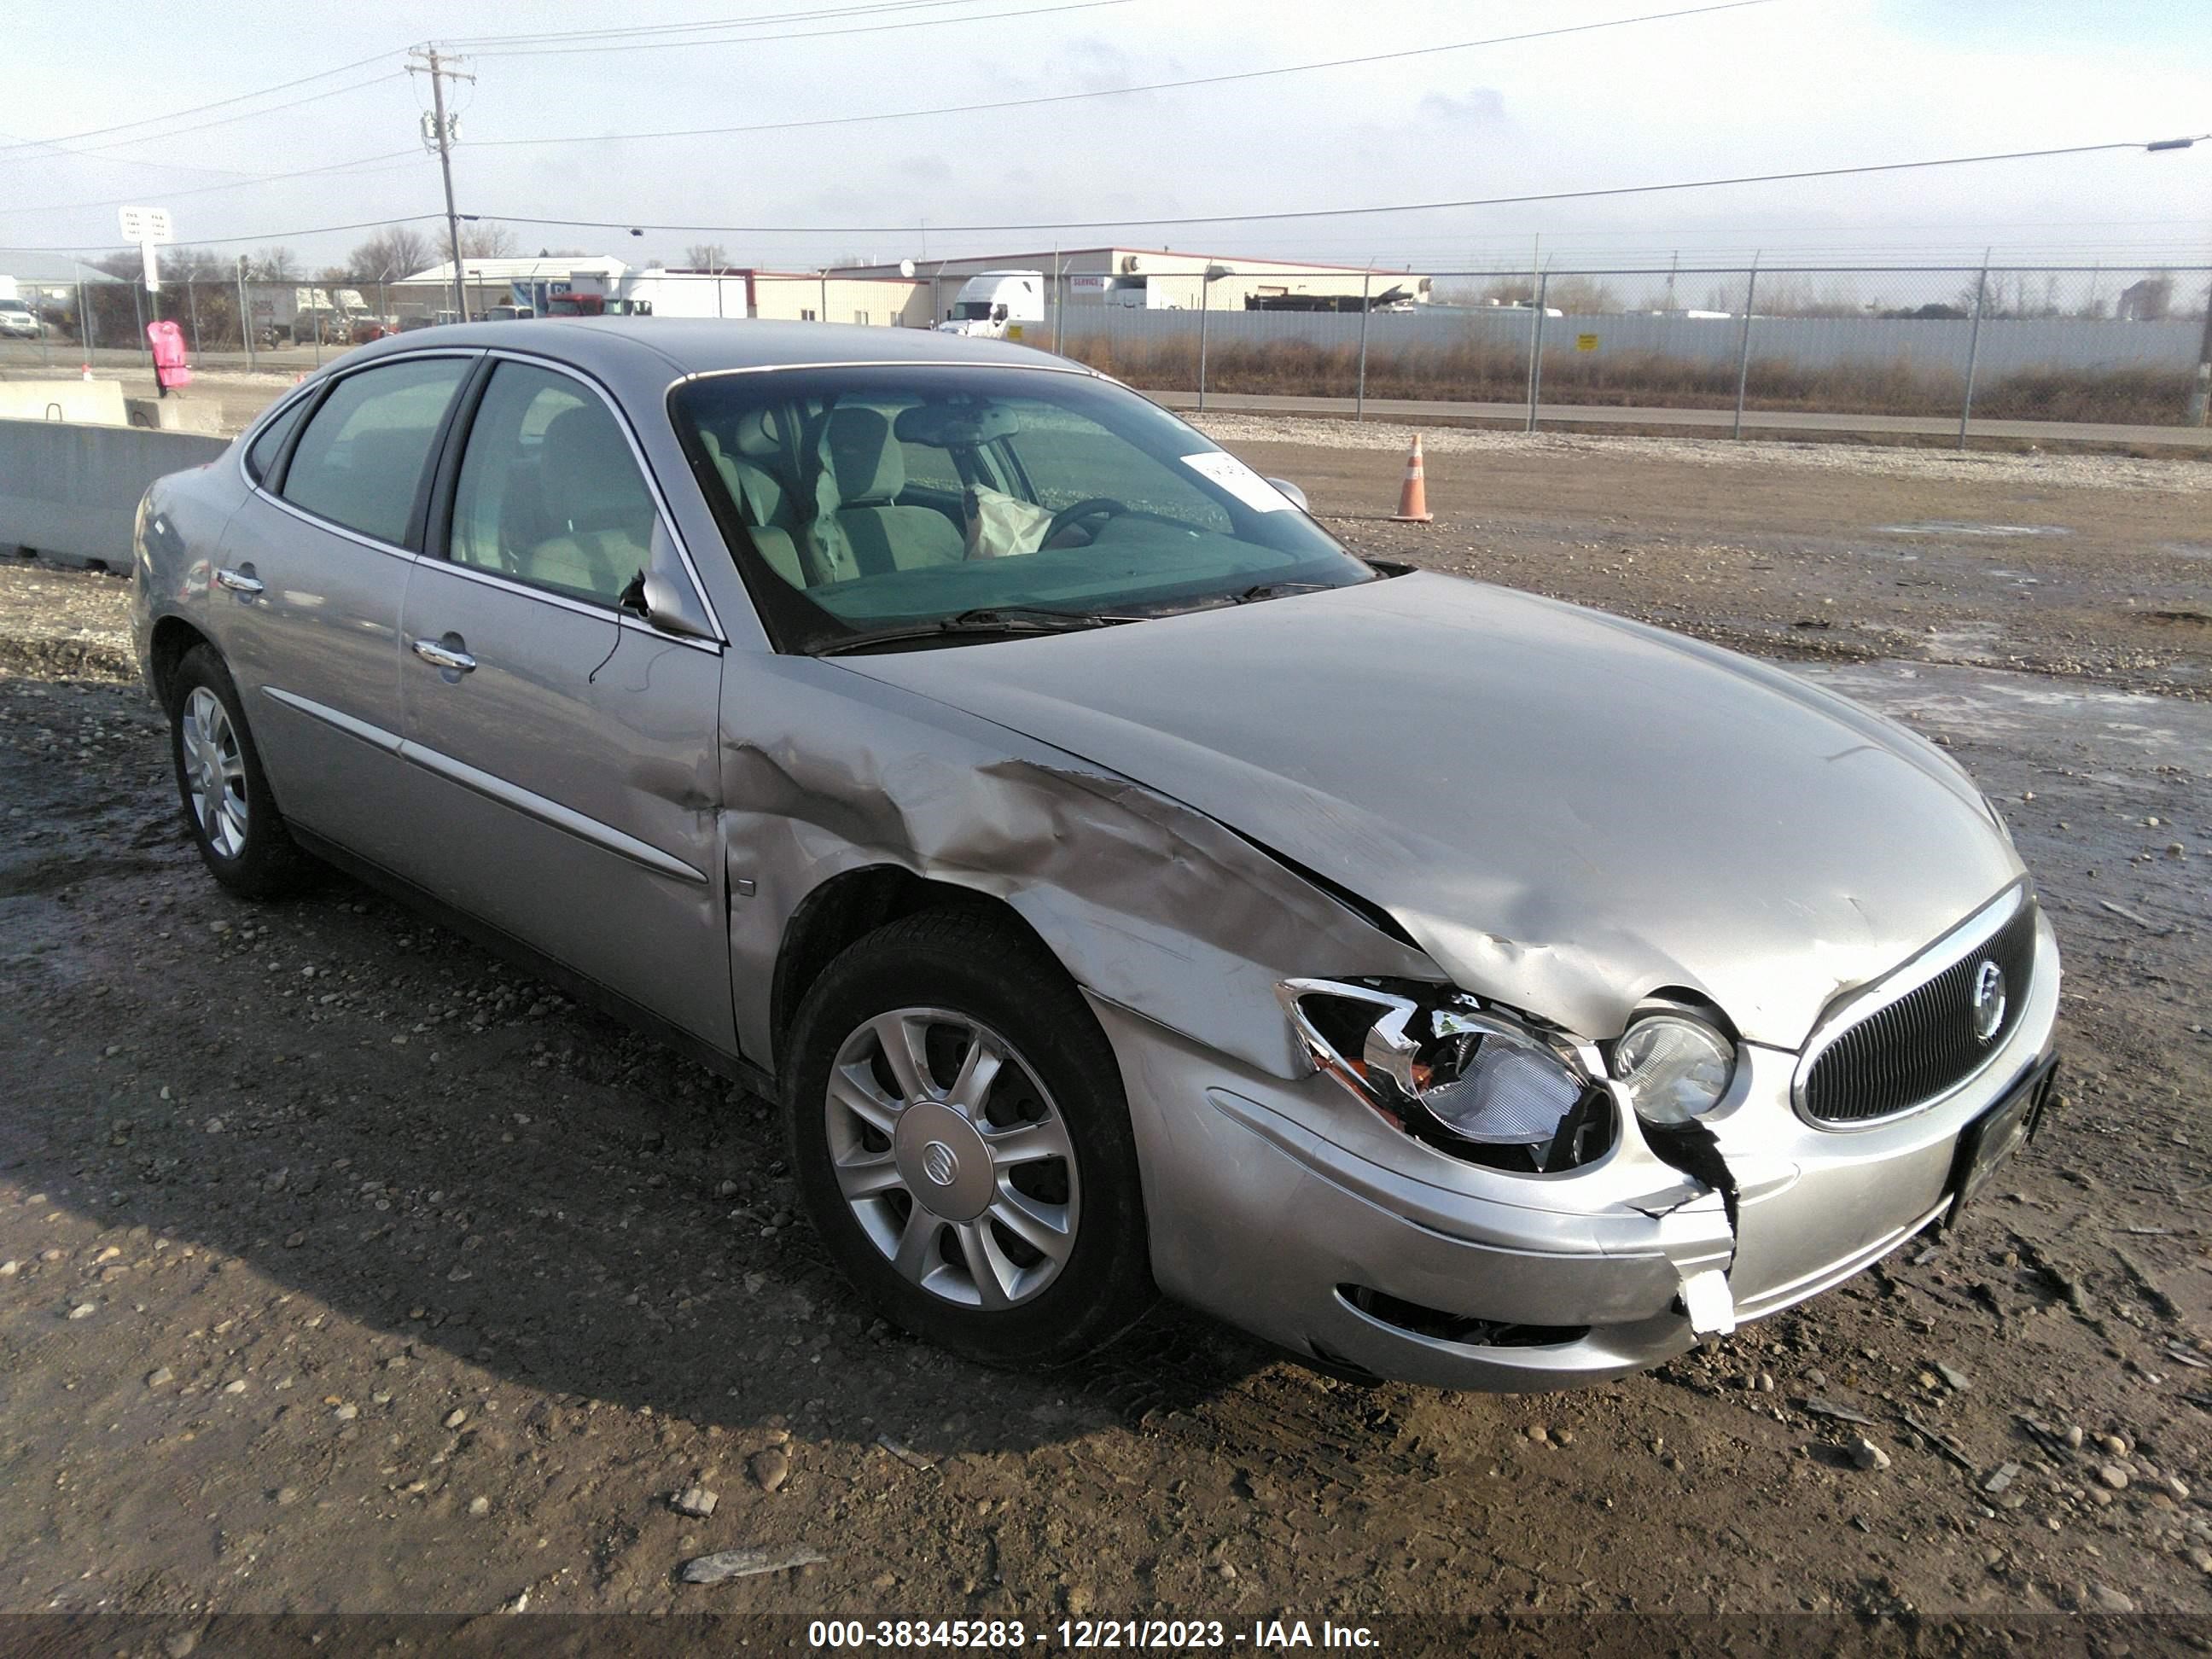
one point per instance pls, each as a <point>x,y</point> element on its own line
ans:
<point>1003,1634</point>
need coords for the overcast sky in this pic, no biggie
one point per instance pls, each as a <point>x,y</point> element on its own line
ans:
<point>1789,84</point>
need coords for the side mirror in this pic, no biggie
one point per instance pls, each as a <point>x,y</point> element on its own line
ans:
<point>658,598</point>
<point>669,607</point>
<point>1297,496</point>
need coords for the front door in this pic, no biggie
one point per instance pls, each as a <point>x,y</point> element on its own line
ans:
<point>563,752</point>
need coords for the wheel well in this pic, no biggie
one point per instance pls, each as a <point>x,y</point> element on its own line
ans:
<point>173,637</point>
<point>847,908</point>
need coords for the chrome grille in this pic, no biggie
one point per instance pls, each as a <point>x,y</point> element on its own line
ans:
<point>1924,1043</point>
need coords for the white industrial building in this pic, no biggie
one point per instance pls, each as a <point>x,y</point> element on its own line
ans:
<point>1169,279</point>
<point>1157,279</point>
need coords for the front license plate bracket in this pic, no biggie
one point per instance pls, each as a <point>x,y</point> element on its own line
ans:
<point>1995,1135</point>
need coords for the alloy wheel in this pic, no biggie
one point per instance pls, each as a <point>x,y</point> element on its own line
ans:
<point>214,772</point>
<point>952,1157</point>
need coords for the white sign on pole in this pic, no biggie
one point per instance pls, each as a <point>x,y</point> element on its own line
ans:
<point>145,224</point>
<point>148,227</point>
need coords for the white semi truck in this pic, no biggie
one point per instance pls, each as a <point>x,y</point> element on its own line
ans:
<point>997,305</point>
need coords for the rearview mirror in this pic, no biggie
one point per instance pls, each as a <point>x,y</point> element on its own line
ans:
<point>1297,496</point>
<point>954,426</point>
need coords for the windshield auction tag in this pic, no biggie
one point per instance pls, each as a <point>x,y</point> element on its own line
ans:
<point>1239,480</point>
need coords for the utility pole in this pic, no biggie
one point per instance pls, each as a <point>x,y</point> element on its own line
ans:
<point>2200,388</point>
<point>440,70</point>
<point>244,314</point>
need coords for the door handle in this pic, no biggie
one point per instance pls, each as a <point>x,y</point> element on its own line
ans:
<point>241,581</point>
<point>451,658</point>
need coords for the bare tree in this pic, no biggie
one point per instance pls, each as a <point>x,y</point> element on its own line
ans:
<point>487,241</point>
<point>394,253</point>
<point>193,265</point>
<point>706,256</point>
<point>272,265</point>
<point>1584,294</point>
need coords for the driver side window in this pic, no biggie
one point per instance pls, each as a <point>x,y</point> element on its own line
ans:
<point>548,492</point>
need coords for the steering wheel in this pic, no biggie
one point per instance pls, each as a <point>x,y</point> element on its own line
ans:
<point>1068,517</point>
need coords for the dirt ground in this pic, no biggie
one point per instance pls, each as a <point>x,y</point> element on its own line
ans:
<point>342,1267</point>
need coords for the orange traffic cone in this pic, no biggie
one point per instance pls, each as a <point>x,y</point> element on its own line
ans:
<point>1414,497</point>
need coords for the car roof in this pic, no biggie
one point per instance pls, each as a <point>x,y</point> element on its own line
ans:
<point>625,348</point>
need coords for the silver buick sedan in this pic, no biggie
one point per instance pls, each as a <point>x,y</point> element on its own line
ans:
<point>1124,888</point>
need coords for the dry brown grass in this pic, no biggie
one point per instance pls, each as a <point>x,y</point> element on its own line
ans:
<point>1482,370</point>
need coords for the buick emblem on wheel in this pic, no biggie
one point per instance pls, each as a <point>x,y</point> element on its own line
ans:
<point>939,1163</point>
<point>1988,1000</point>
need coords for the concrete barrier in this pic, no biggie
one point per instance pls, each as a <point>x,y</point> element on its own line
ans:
<point>98,402</point>
<point>174,415</point>
<point>70,493</point>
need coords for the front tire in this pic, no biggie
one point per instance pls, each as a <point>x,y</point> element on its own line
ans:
<point>961,1140</point>
<point>234,818</point>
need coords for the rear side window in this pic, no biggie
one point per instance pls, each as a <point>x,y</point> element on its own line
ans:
<point>263,455</point>
<point>360,459</point>
<point>548,492</point>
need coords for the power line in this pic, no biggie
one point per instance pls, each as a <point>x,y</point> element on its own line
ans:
<point>817,34</point>
<point>232,120</point>
<point>1123,92</point>
<point>706,26</point>
<point>196,109</point>
<point>1343,213</point>
<point>259,236</point>
<point>240,184</point>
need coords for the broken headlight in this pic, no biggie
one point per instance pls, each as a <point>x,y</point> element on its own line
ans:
<point>1673,1068</point>
<point>1472,1079</point>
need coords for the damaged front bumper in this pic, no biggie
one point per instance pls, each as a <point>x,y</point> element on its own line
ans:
<point>1288,1209</point>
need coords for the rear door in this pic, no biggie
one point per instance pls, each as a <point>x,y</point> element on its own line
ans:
<point>314,565</point>
<point>564,770</point>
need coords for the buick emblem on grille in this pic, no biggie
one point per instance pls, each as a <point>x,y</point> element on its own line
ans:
<point>939,1163</point>
<point>1988,1000</point>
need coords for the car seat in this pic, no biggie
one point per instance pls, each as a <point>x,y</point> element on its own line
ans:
<point>870,471</point>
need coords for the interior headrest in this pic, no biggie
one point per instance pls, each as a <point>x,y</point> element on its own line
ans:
<point>865,459</point>
<point>759,434</point>
<point>587,478</point>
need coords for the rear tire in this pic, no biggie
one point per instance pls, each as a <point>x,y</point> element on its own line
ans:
<point>233,816</point>
<point>960,1138</point>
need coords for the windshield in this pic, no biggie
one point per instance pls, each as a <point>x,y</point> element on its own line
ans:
<point>869,499</point>
<point>971,310</point>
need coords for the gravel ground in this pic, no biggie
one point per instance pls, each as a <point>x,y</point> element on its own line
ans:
<point>342,1267</point>
<point>2086,568</point>
<point>2182,475</point>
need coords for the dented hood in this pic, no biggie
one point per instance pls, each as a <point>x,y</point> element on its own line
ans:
<point>1566,810</point>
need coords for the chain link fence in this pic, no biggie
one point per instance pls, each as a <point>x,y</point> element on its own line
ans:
<point>2085,344</point>
<point>1916,345</point>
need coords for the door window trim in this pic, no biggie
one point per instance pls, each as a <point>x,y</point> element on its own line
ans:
<point>438,527</point>
<point>417,511</point>
<point>303,401</point>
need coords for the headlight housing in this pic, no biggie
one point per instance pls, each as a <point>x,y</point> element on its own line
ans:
<point>1475,1079</point>
<point>1673,1067</point>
